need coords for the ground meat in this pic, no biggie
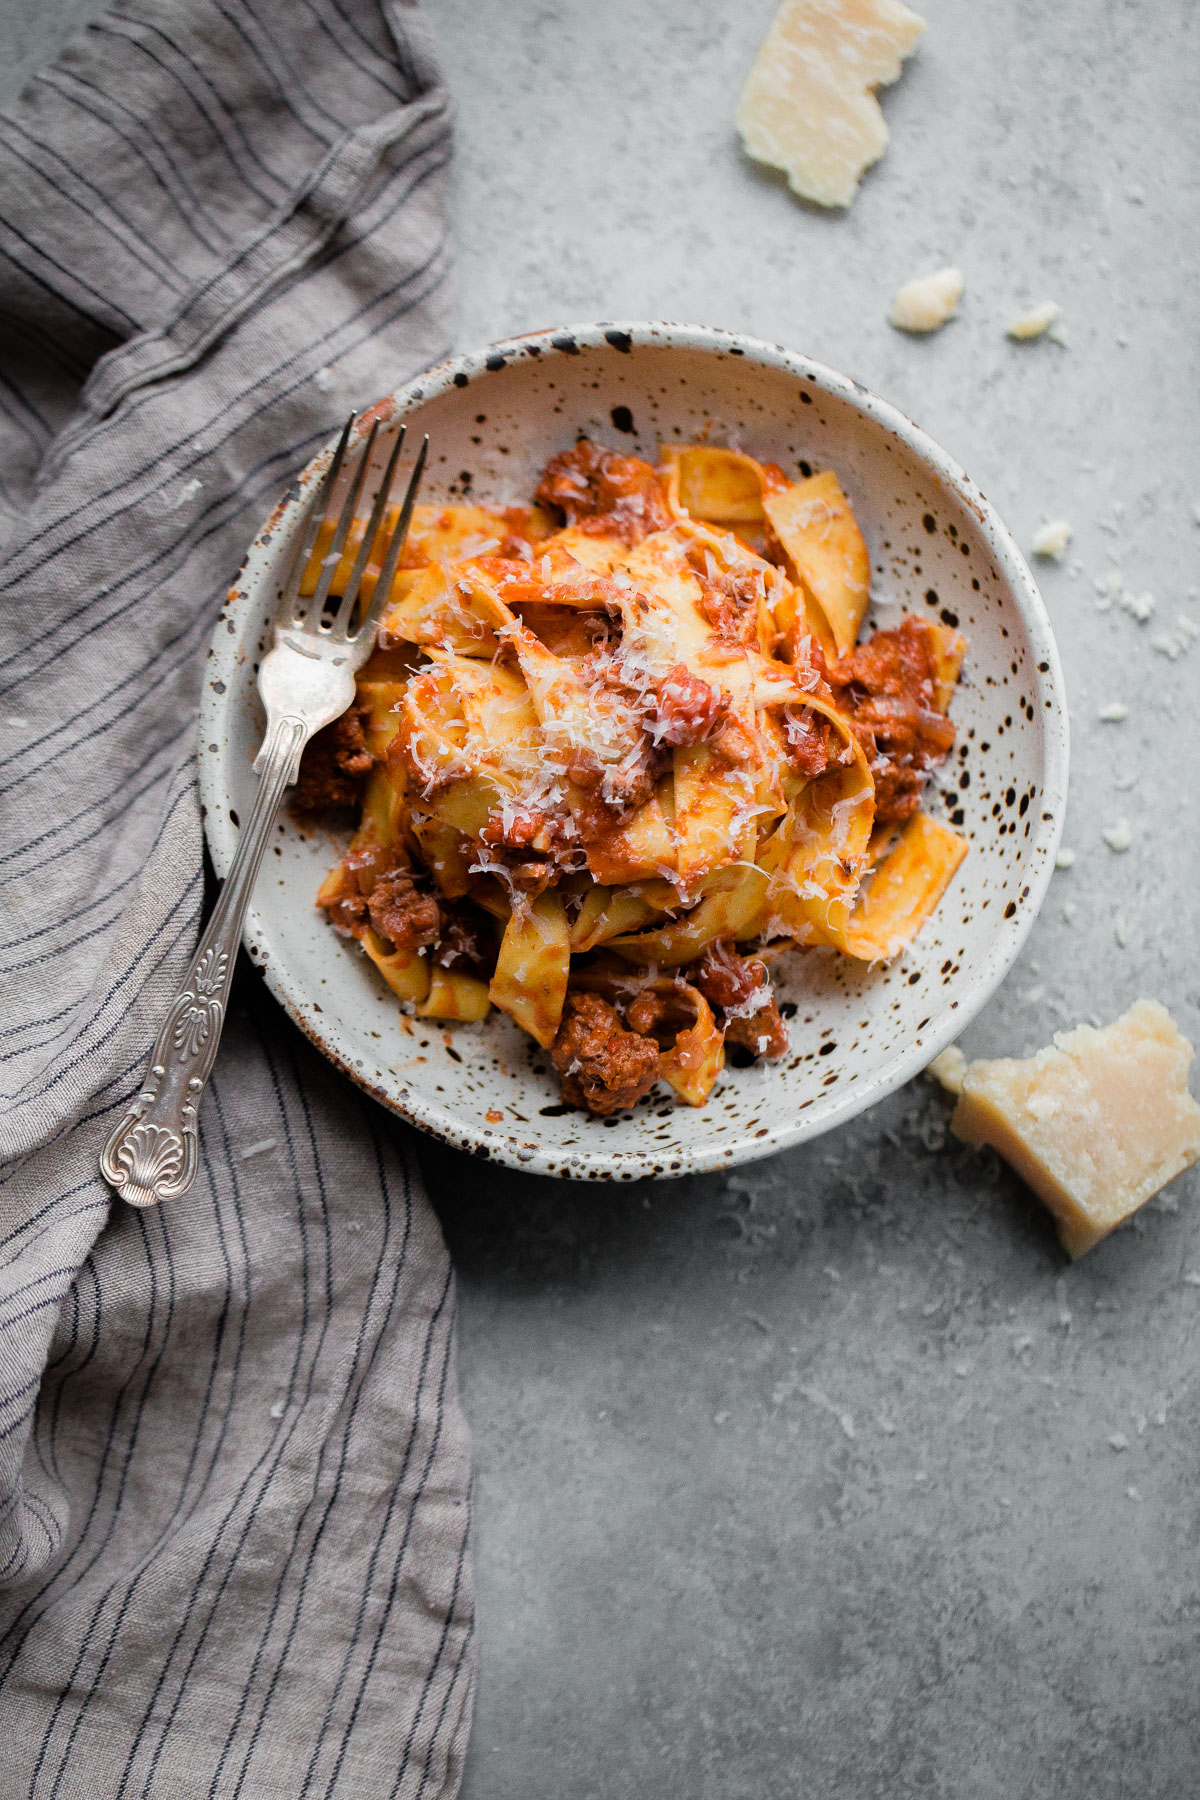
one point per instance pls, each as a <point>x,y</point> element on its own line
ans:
<point>603,491</point>
<point>530,847</point>
<point>333,766</point>
<point>897,793</point>
<point>465,943</point>
<point>763,1034</point>
<point>401,913</point>
<point>603,1067</point>
<point>726,979</point>
<point>888,686</point>
<point>730,604</point>
<point>660,1013</point>
<point>738,988</point>
<point>687,709</point>
<point>807,732</point>
<point>347,906</point>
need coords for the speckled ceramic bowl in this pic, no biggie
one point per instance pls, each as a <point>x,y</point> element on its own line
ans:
<point>936,547</point>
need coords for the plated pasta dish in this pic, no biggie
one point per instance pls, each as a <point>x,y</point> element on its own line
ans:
<point>621,749</point>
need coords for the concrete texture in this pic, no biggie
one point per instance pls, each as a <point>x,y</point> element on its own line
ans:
<point>832,1478</point>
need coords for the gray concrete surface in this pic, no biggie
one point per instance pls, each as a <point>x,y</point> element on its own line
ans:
<point>806,1482</point>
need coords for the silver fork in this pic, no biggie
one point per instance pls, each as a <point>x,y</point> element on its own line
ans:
<point>306,681</point>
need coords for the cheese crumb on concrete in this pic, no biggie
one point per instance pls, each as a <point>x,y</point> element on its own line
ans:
<point>1138,606</point>
<point>947,1069</point>
<point>1037,320</point>
<point>1113,713</point>
<point>1118,837</point>
<point>808,105</point>
<point>1096,1124</point>
<point>927,302</point>
<point>1065,859</point>
<point>1052,538</point>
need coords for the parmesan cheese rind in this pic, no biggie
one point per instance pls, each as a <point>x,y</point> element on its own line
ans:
<point>808,106</point>
<point>926,303</point>
<point>1096,1123</point>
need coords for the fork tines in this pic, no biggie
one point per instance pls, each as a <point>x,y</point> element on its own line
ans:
<point>307,612</point>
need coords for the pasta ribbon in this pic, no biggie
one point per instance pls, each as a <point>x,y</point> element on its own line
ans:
<point>697,1056</point>
<point>530,983</point>
<point>621,747</point>
<point>731,906</point>
<point>721,486</point>
<point>813,521</point>
<point>453,995</point>
<point>905,889</point>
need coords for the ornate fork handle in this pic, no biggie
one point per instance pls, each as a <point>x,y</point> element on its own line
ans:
<point>152,1154</point>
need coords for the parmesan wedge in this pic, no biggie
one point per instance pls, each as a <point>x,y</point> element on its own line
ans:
<point>808,105</point>
<point>926,303</point>
<point>1096,1123</point>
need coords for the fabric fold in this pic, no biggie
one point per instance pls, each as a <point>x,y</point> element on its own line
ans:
<point>234,1518</point>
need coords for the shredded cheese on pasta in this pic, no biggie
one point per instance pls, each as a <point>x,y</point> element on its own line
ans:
<point>619,747</point>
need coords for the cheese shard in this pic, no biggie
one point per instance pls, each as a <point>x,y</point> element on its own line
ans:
<point>929,301</point>
<point>808,106</point>
<point>1095,1124</point>
<point>1033,323</point>
<point>1052,538</point>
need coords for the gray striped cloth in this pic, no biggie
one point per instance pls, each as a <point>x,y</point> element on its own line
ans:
<point>234,1524</point>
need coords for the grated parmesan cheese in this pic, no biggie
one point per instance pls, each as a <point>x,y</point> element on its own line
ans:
<point>1118,837</point>
<point>1113,713</point>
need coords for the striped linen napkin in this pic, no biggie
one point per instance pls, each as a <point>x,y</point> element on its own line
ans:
<point>234,1522</point>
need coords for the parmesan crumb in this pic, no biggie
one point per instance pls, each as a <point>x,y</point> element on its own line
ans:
<point>1034,322</point>
<point>1052,538</point>
<point>1138,606</point>
<point>324,379</point>
<point>1118,1441</point>
<point>258,1149</point>
<point>1118,837</point>
<point>1065,859</point>
<point>188,491</point>
<point>927,302</point>
<point>1113,713</point>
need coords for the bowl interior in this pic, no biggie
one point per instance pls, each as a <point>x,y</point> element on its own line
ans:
<point>936,549</point>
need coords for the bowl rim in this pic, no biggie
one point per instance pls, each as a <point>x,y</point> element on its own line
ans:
<point>1008,935</point>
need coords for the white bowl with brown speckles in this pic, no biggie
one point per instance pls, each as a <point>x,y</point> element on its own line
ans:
<point>936,546</point>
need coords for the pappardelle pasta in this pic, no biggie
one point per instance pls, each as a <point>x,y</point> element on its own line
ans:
<point>617,751</point>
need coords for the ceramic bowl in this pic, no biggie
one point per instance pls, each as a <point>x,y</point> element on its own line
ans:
<point>937,549</point>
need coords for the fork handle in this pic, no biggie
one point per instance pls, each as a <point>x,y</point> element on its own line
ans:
<point>153,1153</point>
